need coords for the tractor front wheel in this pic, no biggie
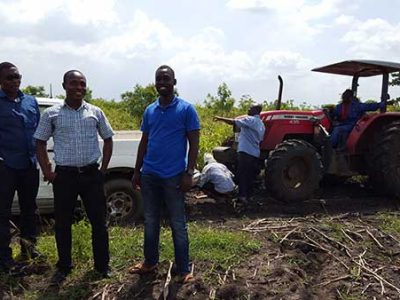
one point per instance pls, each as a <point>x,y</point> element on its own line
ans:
<point>384,164</point>
<point>293,170</point>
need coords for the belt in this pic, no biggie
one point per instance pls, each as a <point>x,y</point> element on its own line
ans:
<point>79,170</point>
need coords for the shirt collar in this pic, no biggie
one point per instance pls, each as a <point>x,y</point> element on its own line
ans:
<point>3,95</point>
<point>173,103</point>
<point>84,105</point>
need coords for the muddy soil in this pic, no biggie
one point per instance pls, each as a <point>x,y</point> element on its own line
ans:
<point>330,247</point>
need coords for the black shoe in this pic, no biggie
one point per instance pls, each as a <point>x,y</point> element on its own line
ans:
<point>105,273</point>
<point>30,254</point>
<point>239,204</point>
<point>6,265</point>
<point>11,268</point>
<point>58,277</point>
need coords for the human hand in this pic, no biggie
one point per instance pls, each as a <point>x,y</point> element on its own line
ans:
<point>186,182</point>
<point>136,180</point>
<point>49,176</point>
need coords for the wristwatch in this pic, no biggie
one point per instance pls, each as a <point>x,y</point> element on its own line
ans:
<point>190,172</point>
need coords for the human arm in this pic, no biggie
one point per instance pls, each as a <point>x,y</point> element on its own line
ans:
<point>225,120</point>
<point>44,162</point>
<point>193,138</point>
<point>139,160</point>
<point>43,132</point>
<point>107,152</point>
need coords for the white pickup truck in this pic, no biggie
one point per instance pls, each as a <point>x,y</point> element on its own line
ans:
<point>124,204</point>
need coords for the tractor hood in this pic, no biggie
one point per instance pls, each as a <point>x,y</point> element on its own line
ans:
<point>360,68</point>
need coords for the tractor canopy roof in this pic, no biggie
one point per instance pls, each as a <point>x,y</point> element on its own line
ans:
<point>360,68</point>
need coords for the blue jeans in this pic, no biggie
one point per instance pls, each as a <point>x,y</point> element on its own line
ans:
<point>158,193</point>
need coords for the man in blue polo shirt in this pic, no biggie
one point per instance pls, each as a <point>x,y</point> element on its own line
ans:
<point>161,171</point>
<point>19,117</point>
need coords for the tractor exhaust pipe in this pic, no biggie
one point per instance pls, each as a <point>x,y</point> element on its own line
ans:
<point>278,104</point>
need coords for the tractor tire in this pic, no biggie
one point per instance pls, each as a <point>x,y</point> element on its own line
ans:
<point>384,165</point>
<point>124,204</point>
<point>293,171</point>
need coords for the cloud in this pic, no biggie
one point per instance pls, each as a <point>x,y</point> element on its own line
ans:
<point>374,38</point>
<point>285,62</point>
<point>78,11</point>
<point>297,20</point>
<point>298,8</point>
<point>345,20</point>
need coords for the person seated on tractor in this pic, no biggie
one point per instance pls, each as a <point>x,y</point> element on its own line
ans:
<point>347,113</point>
<point>216,180</point>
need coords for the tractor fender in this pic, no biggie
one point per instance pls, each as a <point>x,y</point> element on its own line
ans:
<point>362,133</point>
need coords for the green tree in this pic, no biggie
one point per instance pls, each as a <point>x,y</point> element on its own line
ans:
<point>395,79</point>
<point>223,102</point>
<point>137,100</point>
<point>88,96</point>
<point>117,114</point>
<point>37,91</point>
<point>245,103</point>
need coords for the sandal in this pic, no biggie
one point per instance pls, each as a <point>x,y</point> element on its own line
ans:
<point>142,268</point>
<point>187,278</point>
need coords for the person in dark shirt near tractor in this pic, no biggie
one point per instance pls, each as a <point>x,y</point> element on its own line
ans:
<point>348,112</point>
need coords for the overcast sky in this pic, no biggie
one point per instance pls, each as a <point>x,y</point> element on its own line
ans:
<point>245,43</point>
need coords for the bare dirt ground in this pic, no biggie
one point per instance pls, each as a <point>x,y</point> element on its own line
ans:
<point>331,247</point>
<point>326,248</point>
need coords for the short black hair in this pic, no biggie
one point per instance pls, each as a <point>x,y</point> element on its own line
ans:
<point>166,67</point>
<point>258,108</point>
<point>68,73</point>
<point>348,94</point>
<point>5,66</point>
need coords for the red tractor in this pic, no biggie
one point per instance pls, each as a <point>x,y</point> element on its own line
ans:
<point>297,150</point>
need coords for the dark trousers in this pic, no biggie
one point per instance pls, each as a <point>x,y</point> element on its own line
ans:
<point>67,185</point>
<point>246,173</point>
<point>26,183</point>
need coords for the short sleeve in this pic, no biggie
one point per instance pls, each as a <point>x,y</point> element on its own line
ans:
<point>37,110</point>
<point>104,127</point>
<point>44,130</point>
<point>243,122</point>
<point>192,119</point>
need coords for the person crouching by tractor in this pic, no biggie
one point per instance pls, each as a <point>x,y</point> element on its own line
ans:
<point>348,112</point>
<point>216,180</point>
<point>252,132</point>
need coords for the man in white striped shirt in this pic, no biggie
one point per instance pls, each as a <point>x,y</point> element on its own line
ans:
<point>74,126</point>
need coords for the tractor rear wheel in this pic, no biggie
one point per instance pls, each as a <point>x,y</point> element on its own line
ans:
<point>293,170</point>
<point>384,166</point>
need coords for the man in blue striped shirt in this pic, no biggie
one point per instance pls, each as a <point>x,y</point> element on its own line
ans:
<point>74,126</point>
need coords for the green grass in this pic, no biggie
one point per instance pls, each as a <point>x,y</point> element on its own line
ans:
<point>389,223</point>
<point>206,244</point>
<point>218,249</point>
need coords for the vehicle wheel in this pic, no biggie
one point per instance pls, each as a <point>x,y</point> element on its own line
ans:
<point>384,164</point>
<point>124,204</point>
<point>293,170</point>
